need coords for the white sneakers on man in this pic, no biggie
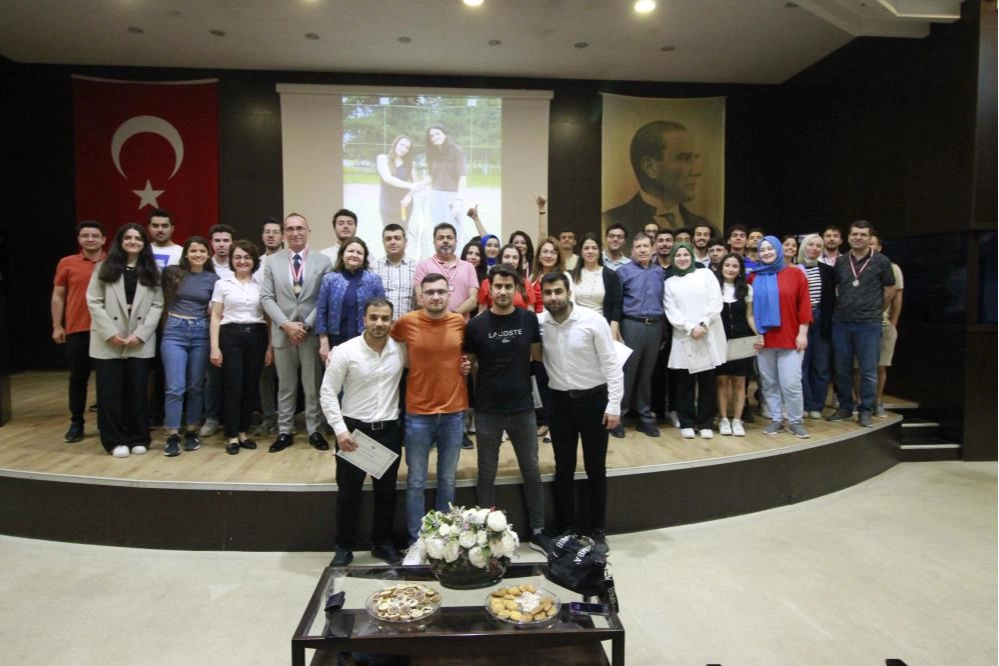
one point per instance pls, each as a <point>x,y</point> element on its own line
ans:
<point>706,433</point>
<point>687,433</point>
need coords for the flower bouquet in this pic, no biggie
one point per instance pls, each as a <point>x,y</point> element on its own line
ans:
<point>467,548</point>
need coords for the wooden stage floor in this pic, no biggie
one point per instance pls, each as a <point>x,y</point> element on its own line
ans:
<point>32,446</point>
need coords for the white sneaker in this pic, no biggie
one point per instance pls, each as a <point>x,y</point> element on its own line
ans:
<point>687,433</point>
<point>120,451</point>
<point>724,427</point>
<point>208,430</point>
<point>675,419</point>
<point>138,450</point>
<point>737,428</point>
<point>706,433</point>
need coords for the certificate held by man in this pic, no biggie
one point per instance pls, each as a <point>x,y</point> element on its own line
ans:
<point>369,456</point>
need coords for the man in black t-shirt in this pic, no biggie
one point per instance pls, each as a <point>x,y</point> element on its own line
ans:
<point>501,343</point>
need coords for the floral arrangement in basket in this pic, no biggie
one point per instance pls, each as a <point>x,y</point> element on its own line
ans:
<point>461,537</point>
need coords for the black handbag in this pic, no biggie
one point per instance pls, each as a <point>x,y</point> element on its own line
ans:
<point>575,564</point>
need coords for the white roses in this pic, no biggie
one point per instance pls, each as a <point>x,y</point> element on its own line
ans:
<point>476,535</point>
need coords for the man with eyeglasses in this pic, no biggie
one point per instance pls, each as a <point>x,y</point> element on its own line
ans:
<point>614,257</point>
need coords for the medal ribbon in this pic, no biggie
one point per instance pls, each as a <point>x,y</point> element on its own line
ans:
<point>853,266</point>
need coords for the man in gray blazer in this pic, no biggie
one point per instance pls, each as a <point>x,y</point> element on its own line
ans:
<point>288,293</point>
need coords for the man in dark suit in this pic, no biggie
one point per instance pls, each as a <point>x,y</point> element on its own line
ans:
<point>667,166</point>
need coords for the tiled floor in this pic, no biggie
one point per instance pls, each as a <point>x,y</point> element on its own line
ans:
<point>903,566</point>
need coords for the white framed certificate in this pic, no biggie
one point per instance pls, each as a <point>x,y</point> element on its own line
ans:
<point>370,456</point>
<point>739,348</point>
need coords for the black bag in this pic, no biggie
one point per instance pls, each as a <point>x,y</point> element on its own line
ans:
<point>575,564</point>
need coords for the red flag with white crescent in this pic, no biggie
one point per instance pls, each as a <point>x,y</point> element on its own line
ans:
<point>141,146</point>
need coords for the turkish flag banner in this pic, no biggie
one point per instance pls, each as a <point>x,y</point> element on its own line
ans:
<point>141,146</point>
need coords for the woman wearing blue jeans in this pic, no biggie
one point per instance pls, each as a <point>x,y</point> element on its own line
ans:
<point>188,292</point>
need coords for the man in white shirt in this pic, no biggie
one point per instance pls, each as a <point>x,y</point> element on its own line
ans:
<point>165,251</point>
<point>566,245</point>
<point>367,369</point>
<point>221,237</point>
<point>585,385</point>
<point>396,270</point>
<point>344,227</point>
<point>271,236</point>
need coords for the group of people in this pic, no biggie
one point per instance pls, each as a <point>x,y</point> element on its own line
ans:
<point>510,342</point>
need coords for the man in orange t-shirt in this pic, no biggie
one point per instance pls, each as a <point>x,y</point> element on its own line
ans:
<point>71,317</point>
<point>436,396</point>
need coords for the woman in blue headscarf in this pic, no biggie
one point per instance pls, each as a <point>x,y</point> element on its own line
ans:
<point>783,312</point>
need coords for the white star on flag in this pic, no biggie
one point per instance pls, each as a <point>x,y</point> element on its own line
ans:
<point>147,197</point>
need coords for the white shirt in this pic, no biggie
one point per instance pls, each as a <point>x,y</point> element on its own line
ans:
<point>370,383</point>
<point>222,270</point>
<point>589,291</point>
<point>331,252</point>
<point>166,256</point>
<point>240,302</point>
<point>579,354</point>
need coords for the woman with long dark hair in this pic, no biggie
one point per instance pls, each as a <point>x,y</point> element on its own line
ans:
<point>448,172</point>
<point>472,253</point>
<point>398,182</point>
<point>342,297</point>
<point>548,259</point>
<point>525,245</point>
<point>737,318</point>
<point>240,343</point>
<point>125,302</point>
<point>596,287</point>
<point>187,294</point>
<point>523,297</point>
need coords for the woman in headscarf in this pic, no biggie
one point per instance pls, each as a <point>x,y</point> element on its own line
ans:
<point>692,299</point>
<point>782,311</point>
<point>817,363</point>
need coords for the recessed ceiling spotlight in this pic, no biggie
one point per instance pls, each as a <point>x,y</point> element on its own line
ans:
<point>494,42</point>
<point>311,35</point>
<point>136,31</point>
<point>667,49</point>
<point>581,45</point>
<point>645,6</point>
<point>217,33</point>
<point>472,3</point>
<point>405,40</point>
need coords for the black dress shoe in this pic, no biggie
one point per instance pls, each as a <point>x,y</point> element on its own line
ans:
<point>319,442</point>
<point>388,552</point>
<point>74,434</point>
<point>466,443</point>
<point>342,558</point>
<point>617,431</point>
<point>248,444</point>
<point>232,448</point>
<point>647,429</point>
<point>282,442</point>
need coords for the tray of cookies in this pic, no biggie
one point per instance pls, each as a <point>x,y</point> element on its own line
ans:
<point>524,605</point>
<point>405,603</point>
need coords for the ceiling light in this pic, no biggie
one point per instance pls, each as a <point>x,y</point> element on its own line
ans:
<point>494,42</point>
<point>405,40</point>
<point>645,6</point>
<point>217,33</point>
<point>581,45</point>
<point>311,35</point>
<point>472,3</point>
<point>136,31</point>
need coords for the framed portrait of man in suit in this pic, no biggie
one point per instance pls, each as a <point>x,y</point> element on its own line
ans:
<point>663,162</point>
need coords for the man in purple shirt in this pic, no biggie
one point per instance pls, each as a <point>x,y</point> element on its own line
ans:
<point>642,331</point>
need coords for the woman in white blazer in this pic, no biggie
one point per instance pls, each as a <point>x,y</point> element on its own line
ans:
<point>125,301</point>
<point>692,300</point>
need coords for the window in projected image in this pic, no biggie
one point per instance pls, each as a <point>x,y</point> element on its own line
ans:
<point>418,161</point>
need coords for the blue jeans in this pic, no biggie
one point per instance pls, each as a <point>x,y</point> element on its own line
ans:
<point>815,366</point>
<point>864,342</point>
<point>422,432</point>
<point>184,351</point>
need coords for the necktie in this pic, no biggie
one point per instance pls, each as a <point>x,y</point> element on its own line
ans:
<point>297,262</point>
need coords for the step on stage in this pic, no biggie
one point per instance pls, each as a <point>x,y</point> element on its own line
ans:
<point>208,500</point>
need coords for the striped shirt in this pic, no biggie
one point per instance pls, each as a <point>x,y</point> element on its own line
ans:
<point>814,285</point>
<point>398,282</point>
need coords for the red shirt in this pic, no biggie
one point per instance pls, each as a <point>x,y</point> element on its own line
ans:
<point>795,308</point>
<point>518,300</point>
<point>73,273</point>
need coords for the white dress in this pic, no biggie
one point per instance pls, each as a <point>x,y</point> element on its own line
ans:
<point>689,300</point>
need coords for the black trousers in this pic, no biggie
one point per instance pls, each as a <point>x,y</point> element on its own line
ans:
<point>243,347</point>
<point>123,412</point>
<point>350,482</point>
<point>701,416</point>
<point>77,350</point>
<point>574,417</point>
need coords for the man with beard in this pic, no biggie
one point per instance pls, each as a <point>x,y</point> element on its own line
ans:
<point>165,251</point>
<point>367,368</point>
<point>502,341</point>
<point>585,386</point>
<point>701,236</point>
<point>752,256</point>
<point>616,237</point>
<point>344,227</point>
<point>462,282</point>
<point>664,247</point>
<point>832,241</point>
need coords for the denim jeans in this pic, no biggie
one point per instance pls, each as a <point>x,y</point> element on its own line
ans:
<point>184,351</point>
<point>423,431</point>
<point>780,382</point>
<point>863,341</point>
<point>815,368</point>
<point>522,427</point>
